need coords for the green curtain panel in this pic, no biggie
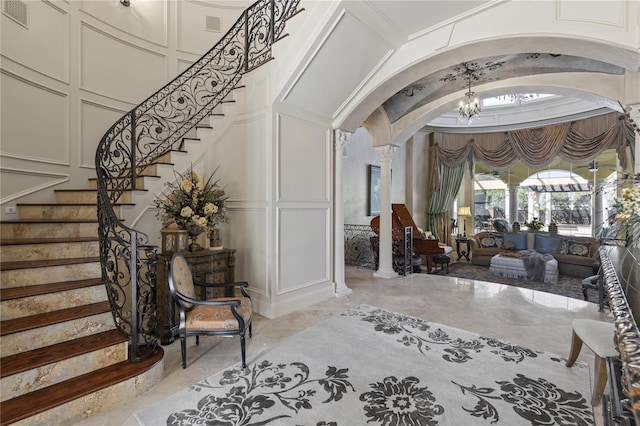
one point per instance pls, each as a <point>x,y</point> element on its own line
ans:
<point>442,199</point>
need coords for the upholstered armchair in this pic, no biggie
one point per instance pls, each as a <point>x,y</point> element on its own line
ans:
<point>224,316</point>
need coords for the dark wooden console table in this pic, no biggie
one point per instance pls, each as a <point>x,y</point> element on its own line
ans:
<point>212,266</point>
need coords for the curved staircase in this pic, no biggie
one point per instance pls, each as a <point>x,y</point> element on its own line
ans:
<point>62,357</point>
<point>70,347</point>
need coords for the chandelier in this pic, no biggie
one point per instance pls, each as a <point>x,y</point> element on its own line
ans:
<point>469,108</point>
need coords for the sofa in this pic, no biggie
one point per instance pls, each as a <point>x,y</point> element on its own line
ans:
<point>576,256</point>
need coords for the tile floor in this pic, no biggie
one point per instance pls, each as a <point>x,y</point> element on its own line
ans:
<point>537,320</point>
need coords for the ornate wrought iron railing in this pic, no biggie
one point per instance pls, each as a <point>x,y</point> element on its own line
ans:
<point>153,128</point>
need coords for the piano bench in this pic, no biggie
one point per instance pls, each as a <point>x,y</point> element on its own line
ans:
<point>442,260</point>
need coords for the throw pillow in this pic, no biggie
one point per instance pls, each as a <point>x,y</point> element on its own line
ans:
<point>491,241</point>
<point>579,248</point>
<point>547,245</point>
<point>509,245</point>
<point>519,239</point>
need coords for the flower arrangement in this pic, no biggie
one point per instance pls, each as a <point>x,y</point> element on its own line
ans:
<point>192,204</point>
<point>627,214</point>
<point>535,224</point>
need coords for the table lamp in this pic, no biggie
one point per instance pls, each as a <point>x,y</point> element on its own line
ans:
<point>464,211</point>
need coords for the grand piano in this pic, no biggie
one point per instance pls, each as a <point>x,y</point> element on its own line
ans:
<point>400,219</point>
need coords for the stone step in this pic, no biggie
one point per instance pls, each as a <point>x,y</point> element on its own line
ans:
<point>32,370</point>
<point>35,272</point>
<point>40,330</point>
<point>87,196</point>
<point>73,400</point>
<point>58,211</point>
<point>37,290</point>
<point>35,229</point>
<point>40,249</point>
<point>93,182</point>
<point>52,301</point>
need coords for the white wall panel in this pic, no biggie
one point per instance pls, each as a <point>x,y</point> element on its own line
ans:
<point>35,121</point>
<point>304,158</point>
<point>15,183</point>
<point>183,65</point>
<point>95,120</point>
<point>247,233</point>
<point>117,69</point>
<point>146,20</point>
<point>27,47</point>
<point>609,12</point>
<point>303,248</point>
<point>192,34</point>
<point>321,87</point>
<point>240,154</point>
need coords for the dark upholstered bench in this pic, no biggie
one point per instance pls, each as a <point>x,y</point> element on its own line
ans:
<point>441,260</point>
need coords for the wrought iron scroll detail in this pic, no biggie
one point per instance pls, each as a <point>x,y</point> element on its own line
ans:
<point>151,129</point>
<point>626,338</point>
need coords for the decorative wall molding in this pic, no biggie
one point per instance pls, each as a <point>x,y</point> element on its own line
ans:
<point>164,43</point>
<point>125,43</point>
<point>58,179</point>
<point>64,78</point>
<point>304,222</point>
<point>65,142</point>
<point>570,11</point>
<point>81,130</point>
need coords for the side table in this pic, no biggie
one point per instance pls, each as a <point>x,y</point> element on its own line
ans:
<point>212,266</point>
<point>467,247</point>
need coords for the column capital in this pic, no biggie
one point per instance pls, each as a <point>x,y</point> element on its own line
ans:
<point>386,152</point>
<point>340,137</point>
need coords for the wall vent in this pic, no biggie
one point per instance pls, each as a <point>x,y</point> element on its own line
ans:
<point>16,10</point>
<point>212,23</point>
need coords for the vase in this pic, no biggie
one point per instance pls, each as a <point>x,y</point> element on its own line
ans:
<point>516,227</point>
<point>194,232</point>
<point>215,239</point>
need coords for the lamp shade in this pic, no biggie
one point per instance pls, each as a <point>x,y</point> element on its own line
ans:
<point>464,211</point>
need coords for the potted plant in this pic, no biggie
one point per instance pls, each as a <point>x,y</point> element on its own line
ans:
<point>534,225</point>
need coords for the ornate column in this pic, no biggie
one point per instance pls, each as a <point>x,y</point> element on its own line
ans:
<point>513,203</point>
<point>340,287</point>
<point>385,266</point>
<point>597,217</point>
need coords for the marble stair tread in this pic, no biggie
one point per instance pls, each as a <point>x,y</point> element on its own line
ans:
<point>25,361</point>
<point>39,401</point>
<point>44,263</point>
<point>45,240</point>
<point>42,320</point>
<point>40,289</point>
<point>69,204</point>
<point>34,221</point>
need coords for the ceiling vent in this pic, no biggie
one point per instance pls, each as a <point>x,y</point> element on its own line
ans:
<point>16,10</point>
<point>212,23</point>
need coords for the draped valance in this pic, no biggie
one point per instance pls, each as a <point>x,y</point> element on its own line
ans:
<point>580,140</point>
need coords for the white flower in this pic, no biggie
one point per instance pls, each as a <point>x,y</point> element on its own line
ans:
<point>186,212</point>
<point>186,185</point>
<point>200,222</point>
<point>210,209</point>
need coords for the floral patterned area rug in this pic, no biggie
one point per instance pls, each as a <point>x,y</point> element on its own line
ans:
<point>372,366</point>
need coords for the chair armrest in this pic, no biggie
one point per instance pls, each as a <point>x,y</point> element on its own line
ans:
<point>232,302</point>
<point>221,285</point>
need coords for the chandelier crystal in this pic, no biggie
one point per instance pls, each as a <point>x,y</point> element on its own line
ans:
<point>469,108</point>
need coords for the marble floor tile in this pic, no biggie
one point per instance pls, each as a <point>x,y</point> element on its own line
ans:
<point>540,321</point>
